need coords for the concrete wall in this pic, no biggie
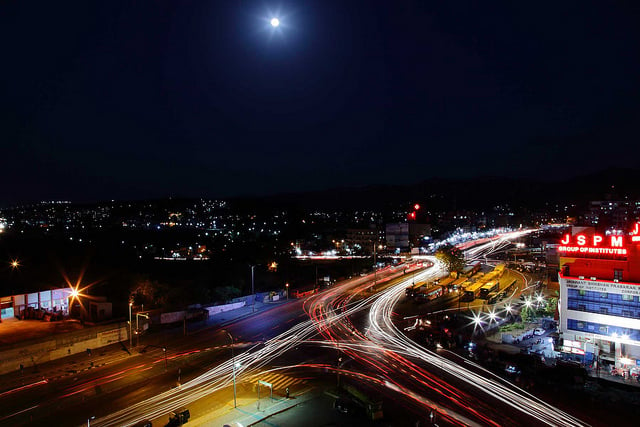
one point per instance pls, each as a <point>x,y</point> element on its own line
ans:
<point>55,347</point>
<point>225,307</point>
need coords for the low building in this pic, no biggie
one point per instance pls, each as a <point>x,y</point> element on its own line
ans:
<point>53,300</point>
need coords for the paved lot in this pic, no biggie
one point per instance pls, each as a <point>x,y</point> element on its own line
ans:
<point>13,330</point>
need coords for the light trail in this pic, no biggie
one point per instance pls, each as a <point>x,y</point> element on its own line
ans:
<point>398,364</point>
<point>388,336</point>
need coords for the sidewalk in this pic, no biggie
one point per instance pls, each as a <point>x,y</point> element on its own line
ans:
<point>79,362</point>
<point>247,412</point>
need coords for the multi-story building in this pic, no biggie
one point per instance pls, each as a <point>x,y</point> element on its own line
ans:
<point>406,235</point>
<point>600,297</point>
<point>612,214</point>
<point>362,239</point>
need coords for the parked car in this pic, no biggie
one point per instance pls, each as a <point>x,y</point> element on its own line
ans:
<point>538,331</point>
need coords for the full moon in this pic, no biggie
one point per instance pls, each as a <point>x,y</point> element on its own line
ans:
<point>275,22</point>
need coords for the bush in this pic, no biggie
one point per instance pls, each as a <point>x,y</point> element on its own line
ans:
<point>511,327</point>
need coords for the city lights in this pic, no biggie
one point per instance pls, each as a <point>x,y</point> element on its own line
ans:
<point>275,22</point>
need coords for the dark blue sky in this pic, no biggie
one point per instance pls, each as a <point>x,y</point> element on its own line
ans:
<point>122,99</point>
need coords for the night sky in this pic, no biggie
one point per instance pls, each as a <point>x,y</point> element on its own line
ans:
<point>138,99</point>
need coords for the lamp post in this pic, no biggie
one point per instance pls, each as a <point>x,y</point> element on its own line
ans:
<point>146,316</point>
<point>375,270</point>
<point>253,294</point>
<point>233,366</point>
<point>130,325</point>
<point>164,351</point>
<point>287,286</point>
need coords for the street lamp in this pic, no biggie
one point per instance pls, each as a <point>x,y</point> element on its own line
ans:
<point>164,351</point>
<point>287,286</point>
<point>146,316</point>
<point>130,325</point>
<point>233,367</point>
<point>375,270</point>
<point>89,421</point>
<point>253,294</point>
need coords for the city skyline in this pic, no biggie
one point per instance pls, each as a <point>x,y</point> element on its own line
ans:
<point>125,101</point>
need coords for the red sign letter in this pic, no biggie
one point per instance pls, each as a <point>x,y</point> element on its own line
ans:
<point>582,240</point>
<point>616,241</point>
<point>596,239</point>
<point>565,240</point>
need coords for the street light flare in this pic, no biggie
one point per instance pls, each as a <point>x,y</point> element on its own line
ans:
<point>275,22</point>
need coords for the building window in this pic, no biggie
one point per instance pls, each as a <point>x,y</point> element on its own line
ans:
<point>627,297</point>
<point>582,292</point>
<point>604,295</point>
<point>580,325</point>
<point>617,274</point>
<point>604,310</point>
<point>582,307</point>
<point>603,329</point>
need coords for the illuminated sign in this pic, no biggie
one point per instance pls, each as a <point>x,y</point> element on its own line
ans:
<point>635,234</point>
<point>597,245</point>
<point>569,343</point>
<point>573,350</point>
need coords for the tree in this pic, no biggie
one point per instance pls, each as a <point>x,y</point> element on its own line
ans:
<point>226,293</point>
<point>452,258</point>
<point>149,292</point>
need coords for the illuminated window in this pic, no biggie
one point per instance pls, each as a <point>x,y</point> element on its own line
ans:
<point>603,329</point>
<point>582,292</point>
<point>604,295</point>
<point>617,274</point>
<point>627,297</point>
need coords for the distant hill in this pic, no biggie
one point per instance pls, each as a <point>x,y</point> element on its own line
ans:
<point>479,193</point>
